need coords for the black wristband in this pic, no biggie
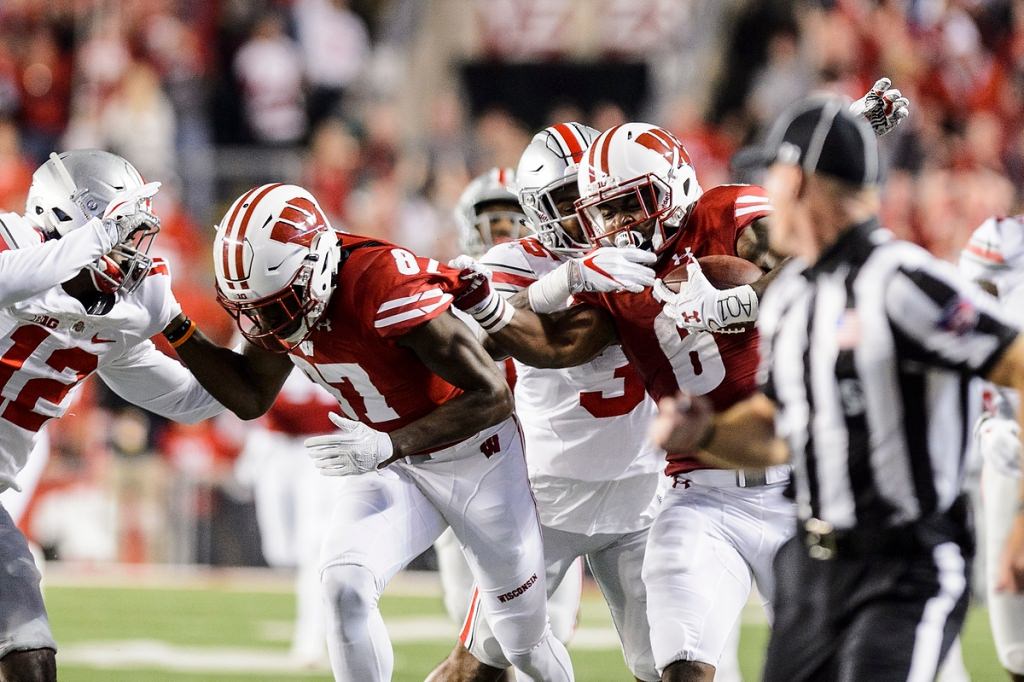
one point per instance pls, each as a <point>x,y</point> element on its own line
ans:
<point>179,331</point>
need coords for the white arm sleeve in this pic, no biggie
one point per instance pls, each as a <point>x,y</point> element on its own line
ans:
<point>146,377</point>
<point>27,269</point>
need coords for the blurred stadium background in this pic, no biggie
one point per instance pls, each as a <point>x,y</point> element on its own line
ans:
<point>385,109</point>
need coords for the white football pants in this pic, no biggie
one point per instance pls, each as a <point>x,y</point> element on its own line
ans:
<point>384,519</point>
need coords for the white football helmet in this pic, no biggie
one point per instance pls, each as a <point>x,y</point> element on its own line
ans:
<point>642,166</point>
<point>482,226</point>
<point>75,186</point>
<point>276,258</point>
<point>546,176</point>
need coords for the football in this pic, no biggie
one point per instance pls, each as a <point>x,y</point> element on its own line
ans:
<point>722,271</point>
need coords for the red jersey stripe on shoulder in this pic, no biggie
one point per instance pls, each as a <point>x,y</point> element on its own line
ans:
<point>756,197</point>
<point>760,210</point>
<point>422,309</point>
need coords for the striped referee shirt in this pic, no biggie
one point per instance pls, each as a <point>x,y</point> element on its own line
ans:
<point>867,356</point>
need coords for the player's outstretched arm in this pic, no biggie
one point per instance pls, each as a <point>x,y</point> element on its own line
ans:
<point>244,382</point>
<point>449,349</point>
<point>565,338</point>
<point>146,377</point>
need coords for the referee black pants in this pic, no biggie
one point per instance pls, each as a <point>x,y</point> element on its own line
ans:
<point>877,618</point>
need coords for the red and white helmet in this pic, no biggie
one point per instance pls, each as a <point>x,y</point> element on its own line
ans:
<point>476,219</point>
<point>635,161</point>
<point>548,165</point>
<point>276,258</point>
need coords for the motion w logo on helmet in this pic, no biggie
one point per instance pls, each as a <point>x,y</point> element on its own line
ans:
<point>300,221</point>
<point>665,143</point>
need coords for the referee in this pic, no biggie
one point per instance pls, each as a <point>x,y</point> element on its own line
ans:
<point>867,345</point>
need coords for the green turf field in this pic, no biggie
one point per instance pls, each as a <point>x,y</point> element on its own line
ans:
<point>225,629</point>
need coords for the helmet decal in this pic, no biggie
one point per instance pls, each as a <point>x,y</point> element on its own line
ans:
<point>662,142</point>
<point>299,222</point>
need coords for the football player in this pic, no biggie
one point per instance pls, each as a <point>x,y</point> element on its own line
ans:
<point>427,440</point>
<point>994,255</point>
<point>488,212</point>
<point>593,473</point>
<point>717,530</point>
<point>78,295</point>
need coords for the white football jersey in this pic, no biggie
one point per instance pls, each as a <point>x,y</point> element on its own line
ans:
<point>49,344</point>
<point>591,466</point>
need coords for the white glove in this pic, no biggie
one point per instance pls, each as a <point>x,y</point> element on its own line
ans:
<point>471,264</point>
<point>128,211</point>
<point>699,306</point>
<point>609,269</point>
<point>883,106</point>
<point>998,441</point>
<point>354,449</point>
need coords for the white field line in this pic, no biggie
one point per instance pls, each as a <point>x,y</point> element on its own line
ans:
<point>146,653</point>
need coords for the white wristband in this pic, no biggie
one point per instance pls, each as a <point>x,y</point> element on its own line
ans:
<point>493,313</point>
<point>551,293</point>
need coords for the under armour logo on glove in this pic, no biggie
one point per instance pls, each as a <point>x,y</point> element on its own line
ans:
<point>884,107</point>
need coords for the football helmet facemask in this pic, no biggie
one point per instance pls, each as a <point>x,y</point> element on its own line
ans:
<point>637,186</point>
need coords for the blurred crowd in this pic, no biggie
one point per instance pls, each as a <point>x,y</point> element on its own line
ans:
<point>210,97</point>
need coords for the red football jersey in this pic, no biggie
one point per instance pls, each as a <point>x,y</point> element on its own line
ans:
<point>383,292</point>
<point>721,366</point>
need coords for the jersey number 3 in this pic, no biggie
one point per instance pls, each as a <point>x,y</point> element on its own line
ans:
<point>597,404</point>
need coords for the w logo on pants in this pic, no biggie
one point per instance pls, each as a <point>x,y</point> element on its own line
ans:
<point>491,446</point>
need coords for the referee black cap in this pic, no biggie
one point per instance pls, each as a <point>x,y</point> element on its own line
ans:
<point>820,135</point>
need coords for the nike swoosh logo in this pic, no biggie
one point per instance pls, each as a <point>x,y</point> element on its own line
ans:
<point>96,339</point>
